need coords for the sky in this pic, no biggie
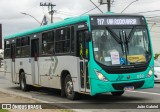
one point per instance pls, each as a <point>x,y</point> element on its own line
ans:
<point>13,21</point>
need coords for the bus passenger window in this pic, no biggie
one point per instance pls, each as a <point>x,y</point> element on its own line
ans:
<point>7,49</point>
<point>48,43</point>
<point>18,47</point>
<point>25,47</point>
<point>62,40</point>
<point>72,39</point>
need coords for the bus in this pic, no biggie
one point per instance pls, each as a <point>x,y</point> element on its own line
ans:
<point>90,54</point>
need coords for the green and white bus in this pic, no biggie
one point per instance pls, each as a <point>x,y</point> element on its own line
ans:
<point>89,54</point>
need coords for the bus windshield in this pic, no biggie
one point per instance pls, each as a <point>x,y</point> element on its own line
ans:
<point>116,46</point>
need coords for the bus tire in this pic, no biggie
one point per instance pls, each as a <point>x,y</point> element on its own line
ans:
<point>117,93</point>
<point>23,85</point>
<point>69,90</point>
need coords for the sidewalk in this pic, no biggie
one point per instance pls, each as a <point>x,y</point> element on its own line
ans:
<point>8,98</point>
<point>14,97</point>
<point>2,69</point>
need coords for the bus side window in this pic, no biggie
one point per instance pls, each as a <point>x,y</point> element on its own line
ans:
<point>62,44</point>
<point>7,50</point>
<point>25,48</point>
<point>48,43</point>
<point>72,39</point>
<point>18,47</point>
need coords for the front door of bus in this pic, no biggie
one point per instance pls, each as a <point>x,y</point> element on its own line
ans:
<point>34,60</point>
<point>82,52</point>
<point>14,78</point>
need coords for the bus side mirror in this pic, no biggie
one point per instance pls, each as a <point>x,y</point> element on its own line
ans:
<point>88,36</point>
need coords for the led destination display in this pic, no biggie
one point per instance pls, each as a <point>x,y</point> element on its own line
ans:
<point>117,21</point>
<point>122,21</point>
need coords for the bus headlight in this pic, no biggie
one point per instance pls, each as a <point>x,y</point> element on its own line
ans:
<point>100,76</point>
<point>150,73</point>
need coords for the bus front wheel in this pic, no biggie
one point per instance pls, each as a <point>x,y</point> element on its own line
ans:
<point>117,93</point>
<point>22,82</point>
<point>69,91</point>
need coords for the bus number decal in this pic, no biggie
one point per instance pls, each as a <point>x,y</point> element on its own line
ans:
<point>140,76</point>
<point>100,21</point>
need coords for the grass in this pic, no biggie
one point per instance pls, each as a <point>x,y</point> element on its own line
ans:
<point>2,110</point>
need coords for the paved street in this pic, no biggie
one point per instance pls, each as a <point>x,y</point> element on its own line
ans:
<point>52,96</point>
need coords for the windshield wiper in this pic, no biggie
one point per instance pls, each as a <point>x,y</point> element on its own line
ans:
<point>114,35</point>
<point>125,43</point>
<point>122,44</point>
<point>131,33</point>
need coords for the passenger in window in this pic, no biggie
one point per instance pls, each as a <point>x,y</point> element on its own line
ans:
<point>51,50</point>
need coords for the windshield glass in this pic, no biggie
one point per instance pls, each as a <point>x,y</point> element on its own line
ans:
<point>117,46</point>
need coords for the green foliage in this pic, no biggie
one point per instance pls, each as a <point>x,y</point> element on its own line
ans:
<point>2,110</point>
<point>156,56</point>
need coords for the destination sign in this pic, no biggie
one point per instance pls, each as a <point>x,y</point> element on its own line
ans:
<point>116,21</point>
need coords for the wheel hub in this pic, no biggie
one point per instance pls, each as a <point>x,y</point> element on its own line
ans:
<point>69,87</point>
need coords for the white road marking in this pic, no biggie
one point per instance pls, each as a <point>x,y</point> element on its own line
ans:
<point>144,92</point>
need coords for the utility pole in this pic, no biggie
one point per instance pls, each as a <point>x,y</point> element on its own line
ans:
<point>108,2</point>
<point>109,5</point>
<point>50,7</point>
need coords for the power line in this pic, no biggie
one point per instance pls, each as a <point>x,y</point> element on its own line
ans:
<point>147,11</point>
<point>153,17</point>
<point>96,6</point>
<point>91,10</point>
<point>57,12</point>
<point>65,12</point>
<point>128,6</point>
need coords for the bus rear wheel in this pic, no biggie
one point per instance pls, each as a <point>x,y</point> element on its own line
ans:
<point>23,85</point>
<point>69,90</point>
<point>117,93</point>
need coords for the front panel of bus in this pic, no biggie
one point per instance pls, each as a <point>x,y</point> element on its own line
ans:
<point>120,54</point>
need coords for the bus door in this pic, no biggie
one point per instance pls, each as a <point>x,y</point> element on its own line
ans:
<point>34,60</point>
<point>83,53</point>
<point>14,78</point>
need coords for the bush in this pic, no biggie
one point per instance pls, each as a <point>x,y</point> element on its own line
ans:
<point>156,56</point>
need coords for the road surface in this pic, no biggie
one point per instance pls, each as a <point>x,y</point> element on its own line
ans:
<point>87,102</point>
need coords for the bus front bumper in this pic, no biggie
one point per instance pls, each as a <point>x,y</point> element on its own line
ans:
<point>98,86</point>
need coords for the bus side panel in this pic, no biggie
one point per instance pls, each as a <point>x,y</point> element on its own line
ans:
<point>44,66</point>
<point>71,64</point>
<point>52,67</point>
<point>7,69</point>
<point>24,64</point>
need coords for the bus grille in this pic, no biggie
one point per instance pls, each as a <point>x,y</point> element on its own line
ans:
<point>120,86</point>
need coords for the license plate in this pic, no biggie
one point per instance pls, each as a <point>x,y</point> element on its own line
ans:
<point>129,88</point>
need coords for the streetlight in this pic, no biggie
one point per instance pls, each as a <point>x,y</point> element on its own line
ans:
<point>31,16</point>
<point>129,5</point>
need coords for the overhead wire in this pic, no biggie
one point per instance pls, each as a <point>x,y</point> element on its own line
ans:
<point>96,6</point>
<point>90,10</point>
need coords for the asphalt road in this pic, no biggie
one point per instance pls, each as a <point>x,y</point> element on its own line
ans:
<point>94,103</point>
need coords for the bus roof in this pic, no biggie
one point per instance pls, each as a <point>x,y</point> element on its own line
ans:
<point>66,21</point>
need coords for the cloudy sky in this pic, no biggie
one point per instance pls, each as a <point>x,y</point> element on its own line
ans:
<point>13,21</point>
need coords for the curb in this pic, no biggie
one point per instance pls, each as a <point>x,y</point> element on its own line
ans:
<point>21,95</point>
<point>60,106</point>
